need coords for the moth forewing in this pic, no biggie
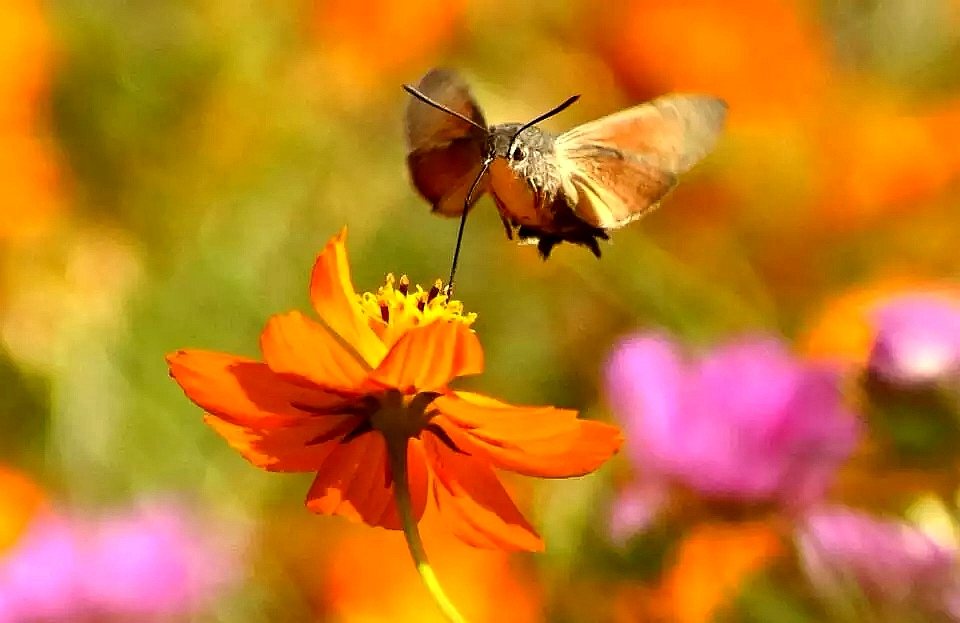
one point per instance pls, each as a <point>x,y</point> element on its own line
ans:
<point>445,152</point>
<point>429,128</point>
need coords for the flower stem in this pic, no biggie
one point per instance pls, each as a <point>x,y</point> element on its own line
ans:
<point>401,491</point>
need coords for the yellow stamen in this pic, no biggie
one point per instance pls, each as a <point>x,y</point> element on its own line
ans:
<point>396,306</point>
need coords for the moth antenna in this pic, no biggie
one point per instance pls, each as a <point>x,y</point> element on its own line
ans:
<point>570,101</point>
<point>463,223</point>
<point>426,100</point>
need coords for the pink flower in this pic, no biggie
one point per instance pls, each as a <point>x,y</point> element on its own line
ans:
<point>38,576</point>
<point>152,561</point>
<point>147,563</point>
<point>747,422</point>
<point>886,566</point>
<point>917,338</point>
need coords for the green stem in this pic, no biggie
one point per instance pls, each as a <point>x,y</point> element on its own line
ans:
<point>401,491</point>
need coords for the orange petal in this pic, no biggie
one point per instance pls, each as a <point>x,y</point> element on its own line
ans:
<point>333,296</point>
<point>428,357</point>
<point>241,390</point>
<point>355,482</point>
<point>534,441</point>
<point>290,448</point>
<point>299,348</point>
<point>476,504</point>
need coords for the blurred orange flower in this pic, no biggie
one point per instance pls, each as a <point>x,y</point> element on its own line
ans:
<point>366,40</point>
<point>335,397</point>
<point>28,171</point>
<point>20,499</point>
<point>480,581</point>
<point>873,158</point>
<point>762,57</point>
<point>711,566</point>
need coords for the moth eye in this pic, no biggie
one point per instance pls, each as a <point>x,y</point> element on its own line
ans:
<point>518,153</point>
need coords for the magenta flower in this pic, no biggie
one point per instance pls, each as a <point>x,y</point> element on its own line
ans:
<point>38,576</point>
<point>917,338</point>
<point>148,563</point>
<point>747,422</point>
<point>888,567</point>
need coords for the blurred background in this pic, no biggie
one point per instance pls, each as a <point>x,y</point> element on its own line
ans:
<point>169,170</point>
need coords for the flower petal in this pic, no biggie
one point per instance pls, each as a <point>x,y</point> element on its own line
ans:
<point>295,448</point>
<point>336,302</point>
<point>298,348</point>
<point>428,357</point>
<point>534,441</point>
<point>242,390</point>
<point>355,482</point>
<point>479,509</point>
<point>347,480</point>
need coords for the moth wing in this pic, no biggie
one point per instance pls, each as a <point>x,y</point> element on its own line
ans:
<point>445,153</point>
<point>621,165</point>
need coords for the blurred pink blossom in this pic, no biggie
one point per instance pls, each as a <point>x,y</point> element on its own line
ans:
<point>149,562</point>
<point>887,566</point>
<point>39,575</point>
<point>917,338</point>
<point>747,422</point>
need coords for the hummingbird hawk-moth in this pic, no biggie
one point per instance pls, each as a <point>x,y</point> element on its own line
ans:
<point>573,187</point>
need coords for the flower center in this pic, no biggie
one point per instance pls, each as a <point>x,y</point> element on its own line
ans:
<point>395,308</point>
<point>395,415</point>
<point>400,416</point>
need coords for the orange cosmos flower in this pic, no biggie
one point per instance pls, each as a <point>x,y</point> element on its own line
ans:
<point>369,383</point>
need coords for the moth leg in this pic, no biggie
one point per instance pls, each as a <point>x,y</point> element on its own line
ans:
<point>591,243</point>
<point>545,246</point>
<point>589,239</point>
<point>545,242</point>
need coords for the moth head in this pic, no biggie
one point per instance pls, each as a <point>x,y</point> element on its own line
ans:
<point>522,148</point>
<point>528,144</point>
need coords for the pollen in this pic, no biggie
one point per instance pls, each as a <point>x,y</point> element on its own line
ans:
<point>397,305</point>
